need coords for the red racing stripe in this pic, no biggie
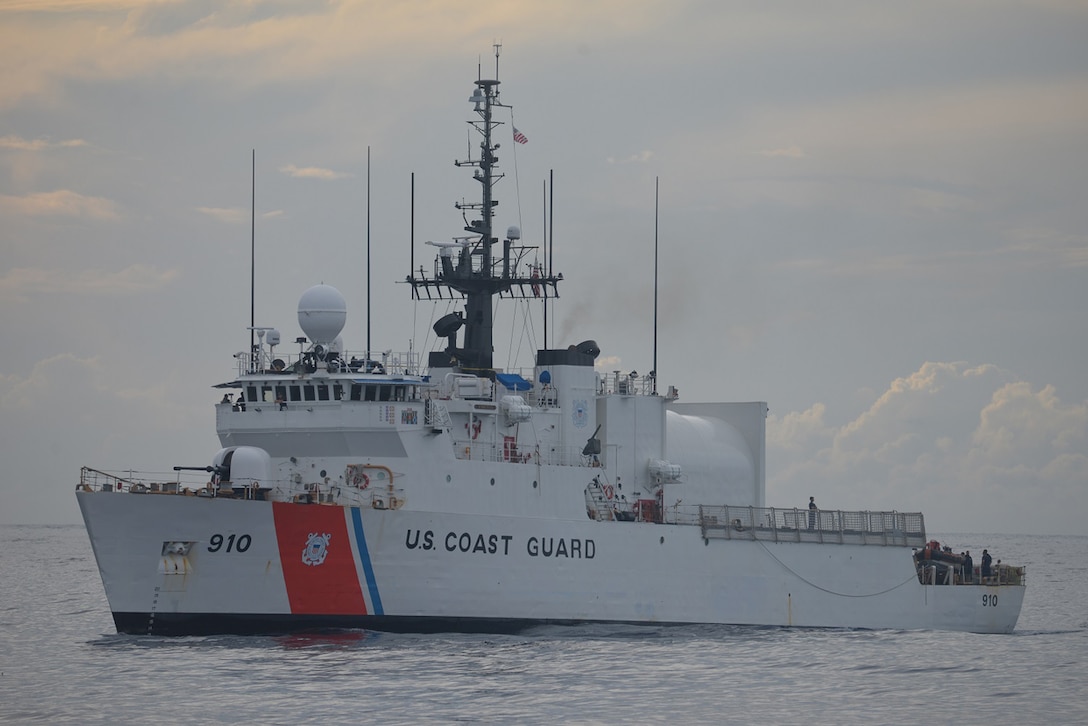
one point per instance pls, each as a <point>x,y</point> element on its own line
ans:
<point>318,566</point>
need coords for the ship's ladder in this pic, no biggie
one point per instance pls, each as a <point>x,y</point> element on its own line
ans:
<point>437,416</point>
<point>602,502</point>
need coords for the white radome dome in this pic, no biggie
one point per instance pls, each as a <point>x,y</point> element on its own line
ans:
<point>322,312</point>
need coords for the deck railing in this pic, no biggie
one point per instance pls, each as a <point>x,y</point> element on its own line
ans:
<point>801,525</point>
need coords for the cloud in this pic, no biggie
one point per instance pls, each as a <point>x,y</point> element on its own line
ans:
<point>21,284</point>
<point>1070,249</point>
<point>312,172</point>
<point>236,42</point>
<point>236,215</point>
<point>20,144</point>
<point>65,6</point>
<point>967,445</point>
<point>61,203</point>
<point>231,215</point>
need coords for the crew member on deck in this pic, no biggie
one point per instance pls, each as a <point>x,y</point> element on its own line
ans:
<point>812,509</point>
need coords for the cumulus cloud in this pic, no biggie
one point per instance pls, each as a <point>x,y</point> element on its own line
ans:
<point>312,172</point>
<point>969,446</point>
<point>61,203</point>
<point>23,283</point>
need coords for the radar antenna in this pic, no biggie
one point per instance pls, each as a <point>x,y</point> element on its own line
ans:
<point>466,265</point>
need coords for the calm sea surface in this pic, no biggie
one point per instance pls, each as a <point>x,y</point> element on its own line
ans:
<point>62,662</point>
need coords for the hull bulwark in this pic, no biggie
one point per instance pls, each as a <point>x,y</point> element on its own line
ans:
<point>188,565</point>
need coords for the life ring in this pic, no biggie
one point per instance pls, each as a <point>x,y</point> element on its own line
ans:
<point>608,491</point>
<point>477,426</point>
<point>360,480</point>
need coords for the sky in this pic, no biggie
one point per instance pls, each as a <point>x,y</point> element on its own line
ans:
<point>870,215</point>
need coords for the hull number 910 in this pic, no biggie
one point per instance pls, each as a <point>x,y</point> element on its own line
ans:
<point>234,543</point>
<point>989,601</point>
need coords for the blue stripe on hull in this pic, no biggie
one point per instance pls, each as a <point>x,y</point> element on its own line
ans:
<point>364,556</point>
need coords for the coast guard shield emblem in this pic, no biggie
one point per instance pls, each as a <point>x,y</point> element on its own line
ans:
<point>580,414</point>
<point>316,549</point>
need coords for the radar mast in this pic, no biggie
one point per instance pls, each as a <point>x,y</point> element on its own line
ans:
<point>468,266</point>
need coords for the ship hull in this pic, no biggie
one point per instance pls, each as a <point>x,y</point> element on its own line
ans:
<point>270,567</point>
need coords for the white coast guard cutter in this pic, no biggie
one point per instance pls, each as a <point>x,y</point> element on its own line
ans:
<point>446,494</point>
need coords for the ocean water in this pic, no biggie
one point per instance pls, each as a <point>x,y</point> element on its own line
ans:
<point>62,662</point>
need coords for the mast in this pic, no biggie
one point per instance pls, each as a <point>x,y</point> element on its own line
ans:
<point>369,307</point>
<point>469,265</point>
<point>252,260</point>
<point>657,189</point>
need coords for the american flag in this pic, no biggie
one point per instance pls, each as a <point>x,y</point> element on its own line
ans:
<point>520,137</point>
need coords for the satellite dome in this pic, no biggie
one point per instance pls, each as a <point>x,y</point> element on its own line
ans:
<point>322,312</point>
